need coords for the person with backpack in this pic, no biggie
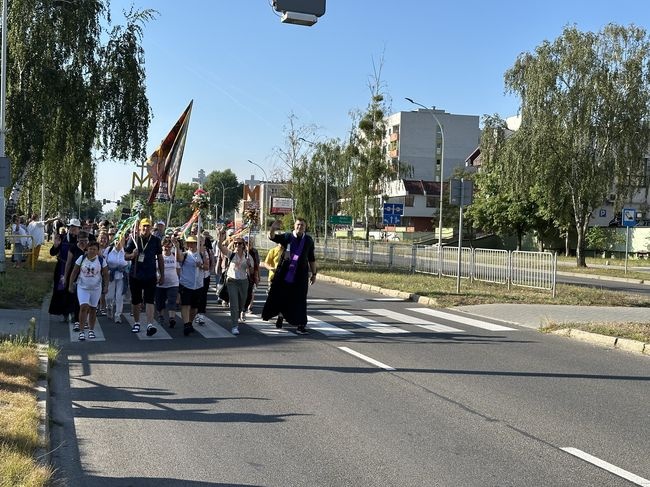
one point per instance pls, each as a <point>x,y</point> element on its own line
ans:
<point>91,277</point>
<point>240,267</point>
<point>190,281</point>
<point>167,291</point>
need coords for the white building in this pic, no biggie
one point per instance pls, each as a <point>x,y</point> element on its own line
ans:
<point>415,142</point>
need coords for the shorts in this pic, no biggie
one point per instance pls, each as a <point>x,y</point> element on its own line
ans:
<point>190,297</point>
<point>166,297</point>
<point>142,287</point>
<point>89,296</point>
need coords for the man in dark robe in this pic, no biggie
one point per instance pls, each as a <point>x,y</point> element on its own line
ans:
<point>288,291</point>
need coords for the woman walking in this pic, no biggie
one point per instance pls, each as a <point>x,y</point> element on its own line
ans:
<point>240,267</point>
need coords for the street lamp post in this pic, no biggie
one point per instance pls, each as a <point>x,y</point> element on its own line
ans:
<point>223,198</point>
<point>313,144</point>
<point>442,167</point>
<point>264,198</point>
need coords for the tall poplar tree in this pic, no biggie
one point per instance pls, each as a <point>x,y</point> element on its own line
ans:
<point>585,107</point>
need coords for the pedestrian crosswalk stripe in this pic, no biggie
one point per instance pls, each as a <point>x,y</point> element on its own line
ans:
<point>99,333</point>
<point>461,319</point>
<point>211,330</point>
<point>326,328</point>
<point>412,320</point>
<point>267,328</point>
<point>363,321</point>
<point>161,334</point>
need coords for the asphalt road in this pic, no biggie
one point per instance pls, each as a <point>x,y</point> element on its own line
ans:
<point>383,394</point>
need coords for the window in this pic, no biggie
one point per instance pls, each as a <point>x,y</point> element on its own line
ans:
<point>432,201</point>
<point>408,200</point>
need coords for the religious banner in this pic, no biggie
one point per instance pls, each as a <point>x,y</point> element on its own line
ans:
<point>164,164</point>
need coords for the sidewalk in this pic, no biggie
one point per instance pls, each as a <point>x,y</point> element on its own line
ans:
<point>536,315</point>
<point>16,321</point>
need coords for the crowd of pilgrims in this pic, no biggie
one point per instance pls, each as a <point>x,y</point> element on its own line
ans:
<point>93,268</point>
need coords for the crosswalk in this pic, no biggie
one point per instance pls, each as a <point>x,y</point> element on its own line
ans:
<point>323,319</point>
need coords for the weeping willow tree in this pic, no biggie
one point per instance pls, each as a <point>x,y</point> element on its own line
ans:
<point>585,108</point>
<point>75,95</point>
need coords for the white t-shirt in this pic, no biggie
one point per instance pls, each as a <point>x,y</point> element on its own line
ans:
<point>37,230</point>
<point>90,272</point>
<point>171,275</point>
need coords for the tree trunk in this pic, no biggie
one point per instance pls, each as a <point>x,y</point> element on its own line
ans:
<point>567,251</point>
<point>581,230</point>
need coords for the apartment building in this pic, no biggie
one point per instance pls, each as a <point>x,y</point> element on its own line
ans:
<point>415,141</point>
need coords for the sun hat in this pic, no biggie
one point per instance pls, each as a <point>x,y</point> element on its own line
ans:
<point>190,239</point>
<point>74,222</point>
<point>160,222</point>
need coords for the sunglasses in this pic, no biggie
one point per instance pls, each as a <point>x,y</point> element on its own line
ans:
<point>240,243</point>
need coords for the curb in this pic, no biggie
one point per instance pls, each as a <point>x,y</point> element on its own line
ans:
<point>42,454</point>
<point>598,277</point>
<point>617,343</point>
<point>376,289</point>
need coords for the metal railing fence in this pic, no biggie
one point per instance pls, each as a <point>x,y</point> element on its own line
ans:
<point>512,268</point>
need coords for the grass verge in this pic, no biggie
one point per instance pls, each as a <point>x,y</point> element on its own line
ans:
<point>19,416</point>
<point>24,288</point>
<point>444,289</point>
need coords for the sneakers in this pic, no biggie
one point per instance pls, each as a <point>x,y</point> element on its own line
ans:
<point>301,330</point>
<point>279,321</point>
<point>151,329</point>
<point>82,336</point>
<point>91,335</point>
<point>118,319</point>
<point>76,326</point>
<point>235,330</point>
<point>187,329</point>
<point>86,325</point>
<point>200,320</point>
<point>135,328</point>
<point>242,317</point>
<point>102,312</point>
<point>172,322</point>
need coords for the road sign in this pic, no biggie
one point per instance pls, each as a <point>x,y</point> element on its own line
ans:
<point>393,213</point>
<point>628,217</point>
<point>461,192</point>
<point>5,172</point>
<point>340,220</point>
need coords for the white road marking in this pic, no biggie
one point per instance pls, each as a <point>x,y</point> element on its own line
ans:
<point>363,321</point>
<point>326,328</point>
<point>366,358</point>
<point>427,325</point>
<point>635,479</point>
<point>210,329</point>
<point>268,328</point>
<point>161,334</point>
<point>462,319</point>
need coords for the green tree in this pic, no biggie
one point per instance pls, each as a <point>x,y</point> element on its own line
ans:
<point>75,94</point>
<point>368,153</point>
<point>585,107</point>
<point>218,181</point>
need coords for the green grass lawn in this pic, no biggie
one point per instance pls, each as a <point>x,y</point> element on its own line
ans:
<point>444,289</point>
<point>24,288</point>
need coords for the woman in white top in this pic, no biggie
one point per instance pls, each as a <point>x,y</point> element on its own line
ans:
<point>240,266</point>
<point>92,274</point>
<point>190,280</point>
<point>117,267</point>
<point>167,292</point>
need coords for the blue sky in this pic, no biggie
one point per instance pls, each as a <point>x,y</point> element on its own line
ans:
<point>246,71</point>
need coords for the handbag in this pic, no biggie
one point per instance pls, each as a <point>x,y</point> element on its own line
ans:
<point>222,291</point>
